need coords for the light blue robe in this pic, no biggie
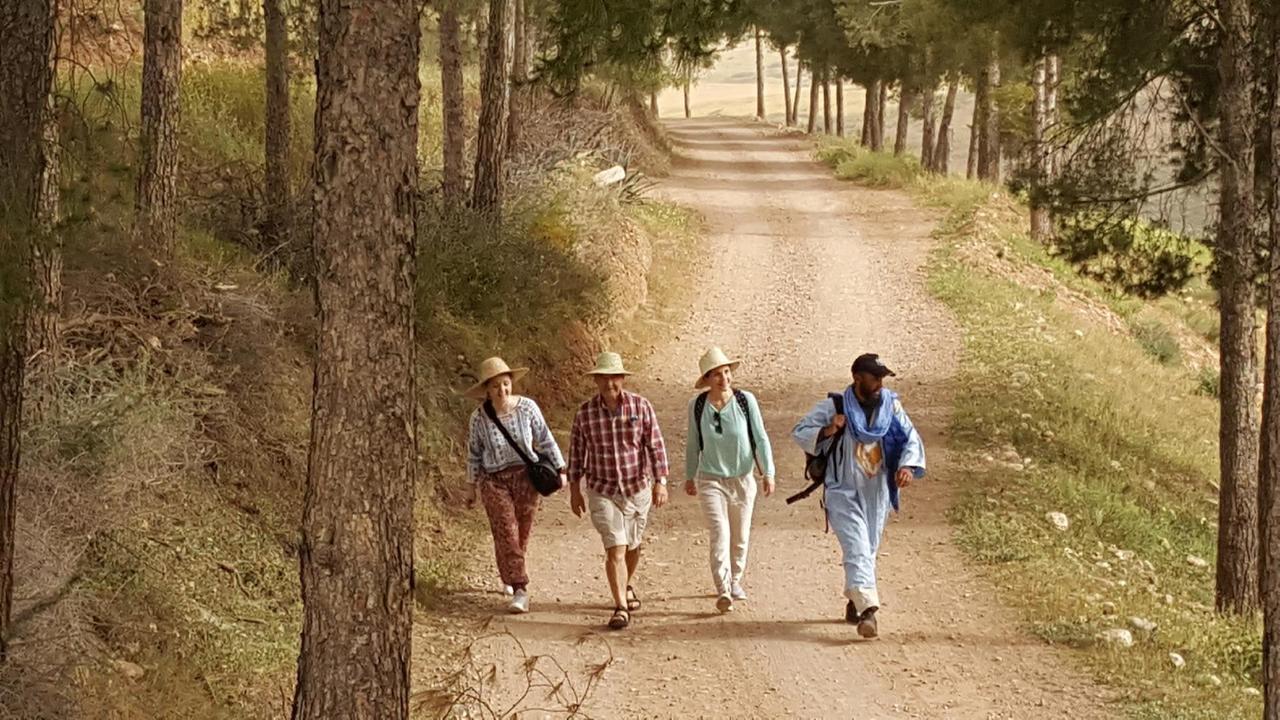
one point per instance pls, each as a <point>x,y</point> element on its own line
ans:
<point>857,491</point>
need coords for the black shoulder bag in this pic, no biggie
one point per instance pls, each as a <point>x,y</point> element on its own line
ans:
<point>542,472</point>
<point>815,466</point>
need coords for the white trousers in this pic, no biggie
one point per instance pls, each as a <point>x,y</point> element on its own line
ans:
<point>727,504</point>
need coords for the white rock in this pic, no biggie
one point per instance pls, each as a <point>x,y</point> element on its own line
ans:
<point>1059,520</point>
<point>1178,661</point>
<point>1195,561</point>
<point>613,175</point>
<point>1117,636</point>
<point>1213,680</point>
<point>1252,691</point>
<point>1125,555</point>
<point>1142,625</point>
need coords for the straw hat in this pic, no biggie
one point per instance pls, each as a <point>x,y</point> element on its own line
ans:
<point>608,363</point>
<point>712,359</point>
<point>488,370</point>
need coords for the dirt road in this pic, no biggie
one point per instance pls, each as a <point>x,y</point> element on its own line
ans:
<point>803,273</point>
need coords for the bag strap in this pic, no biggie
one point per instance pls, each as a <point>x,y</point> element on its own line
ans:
<point>699,405</point>
<point>741,397</point>
<point>493,416</point>
<point>837,399</point>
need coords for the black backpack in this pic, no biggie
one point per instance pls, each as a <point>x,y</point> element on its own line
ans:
<point>815,466</point>
<point>701,403</point>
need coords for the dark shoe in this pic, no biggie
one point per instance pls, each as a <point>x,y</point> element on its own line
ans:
<point>850,614</point>
<point>867,623</point>
<point>621,618</point>
<point>633,600</point>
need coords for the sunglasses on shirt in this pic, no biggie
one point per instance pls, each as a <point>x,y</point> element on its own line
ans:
<point>716,424</point>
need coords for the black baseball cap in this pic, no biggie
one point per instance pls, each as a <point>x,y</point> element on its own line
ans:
<point>871,364</point>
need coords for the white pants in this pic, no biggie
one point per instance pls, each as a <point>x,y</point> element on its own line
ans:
<point>727,504</point>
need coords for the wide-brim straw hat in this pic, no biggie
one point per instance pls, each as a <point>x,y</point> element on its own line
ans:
<point>712,359</point>
<point>608,363</point>
<point>488,370</point>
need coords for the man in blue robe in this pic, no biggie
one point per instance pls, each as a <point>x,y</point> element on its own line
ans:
<point>873,450</point>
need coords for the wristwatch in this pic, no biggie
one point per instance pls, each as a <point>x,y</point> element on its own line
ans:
<point>662,481</point>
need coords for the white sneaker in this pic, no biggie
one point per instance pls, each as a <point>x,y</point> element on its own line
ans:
<point>724,604</point>
<point>737,593</point>
<point>520,602</point>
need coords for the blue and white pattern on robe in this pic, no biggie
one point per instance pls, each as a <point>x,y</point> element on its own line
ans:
<point>858,484</point>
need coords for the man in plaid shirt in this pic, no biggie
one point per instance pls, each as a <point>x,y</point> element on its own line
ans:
<point>616,450</point>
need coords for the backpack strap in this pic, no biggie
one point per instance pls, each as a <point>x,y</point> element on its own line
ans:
<point>699,405</point>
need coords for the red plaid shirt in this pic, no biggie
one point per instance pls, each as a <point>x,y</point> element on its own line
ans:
<point>616,453</point>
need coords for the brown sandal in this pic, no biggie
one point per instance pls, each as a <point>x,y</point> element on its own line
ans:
<point>621,618</point>
<point>633,600</point>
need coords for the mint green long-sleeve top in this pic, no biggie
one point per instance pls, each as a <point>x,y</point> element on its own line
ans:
<point>727,453</point>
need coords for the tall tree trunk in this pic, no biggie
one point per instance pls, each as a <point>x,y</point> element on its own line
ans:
<point>519,76</point>
<point>788,111</point>
<point>1041,222</point>
<point>975,129</point>
<point>795,104</point>
<point>1237,571</point>
<point>1052,78</point>
<point>687,112</point>
<point>157,198</point>
<point>989,154</point>
<point>904,121</point>
<point>277,119</point>
<point>495,97</point>
<point>760,115</point>
<point>357,525</point>
<point>826,100</point>
<point>653,103</point>
<point>942,149</point>
<point>840,106</point>
<point>815,86</point>
<point>868,114</point>
<point>451,101</point>
<point>882,104</point>
<point>1269,488</point>
<point>28,208</point>
<point>928,101</point>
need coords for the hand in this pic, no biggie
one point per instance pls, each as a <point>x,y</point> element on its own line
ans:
<point>690,488</point>
<point>768,486</point>
<point>659,494</point>
<point>905,477</point>
<point>836,426</point>
<point>469,496</point>
<point>577,503</point>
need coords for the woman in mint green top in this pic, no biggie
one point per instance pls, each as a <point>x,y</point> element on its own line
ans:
<point>720,465</point>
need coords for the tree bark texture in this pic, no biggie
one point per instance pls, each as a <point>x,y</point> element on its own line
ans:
<point>156,202</point>
<point>815,82</point>
<point>840,107</point>
<point>688,113</point>
<point>882,105</point>
<point>904,121</point>
<point>1269,488</point>
<point>495,97</point>
<point>653,104</point>
<point>989,154</point>
<point>868,114</point>
<point>795,103</point>
<point>760,115</point>
<point>942,149</point>
<point>277,119</point>
<point>789,110</point>
<point>357,527</point>
<point>451,94</point>
<point>28,194</point>
<point>975,129</point>
<point>1041,221</point>
<point>1238,439</point>
<point>826,101</point>
<point>519,77</point>
<point>929,129</point>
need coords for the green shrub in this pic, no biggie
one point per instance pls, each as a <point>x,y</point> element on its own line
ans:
<point>1129,254</point>
<point>1157,340</point>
